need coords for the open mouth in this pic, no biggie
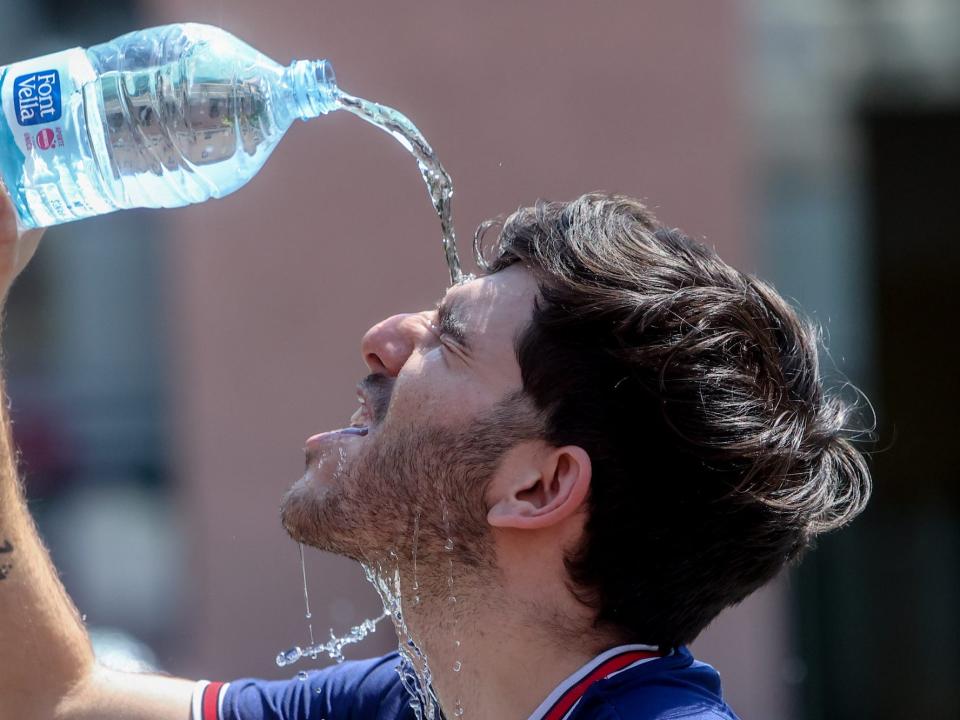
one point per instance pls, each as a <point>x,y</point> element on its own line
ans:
<point>359,425</point>
<point>360,420</point>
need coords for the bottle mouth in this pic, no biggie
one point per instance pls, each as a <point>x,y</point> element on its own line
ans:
<point>315,88</point>
<point>325,74</point>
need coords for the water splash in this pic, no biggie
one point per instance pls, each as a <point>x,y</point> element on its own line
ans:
<point>414,671</point>
<point>333,648</point>
<point>438,181</point>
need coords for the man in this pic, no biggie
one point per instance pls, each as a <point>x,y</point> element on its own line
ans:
<point>556,479</point>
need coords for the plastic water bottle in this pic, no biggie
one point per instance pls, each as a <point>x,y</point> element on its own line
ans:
<point>162,117</point>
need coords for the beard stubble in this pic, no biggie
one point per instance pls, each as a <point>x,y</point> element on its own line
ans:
<point>432,477</point>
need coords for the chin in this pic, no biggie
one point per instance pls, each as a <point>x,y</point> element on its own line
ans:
<point>293,508</point>
<point>313,513</point>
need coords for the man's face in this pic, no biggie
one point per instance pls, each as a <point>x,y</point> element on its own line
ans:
<point>436,413</point>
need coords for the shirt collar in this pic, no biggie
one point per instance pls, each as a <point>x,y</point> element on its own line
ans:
<point>560,703</point>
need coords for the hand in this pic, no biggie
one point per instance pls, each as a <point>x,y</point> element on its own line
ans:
<point>16,249</point>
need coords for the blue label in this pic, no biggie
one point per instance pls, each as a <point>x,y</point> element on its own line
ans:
<point>36,97</point>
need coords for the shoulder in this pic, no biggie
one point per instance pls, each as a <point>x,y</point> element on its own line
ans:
<point>675,687</point>
<point>354,690</point>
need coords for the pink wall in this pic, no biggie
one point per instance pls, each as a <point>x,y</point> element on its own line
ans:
<point>272,288</point>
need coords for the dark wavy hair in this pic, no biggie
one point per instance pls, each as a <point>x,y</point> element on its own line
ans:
<point>695,388</point>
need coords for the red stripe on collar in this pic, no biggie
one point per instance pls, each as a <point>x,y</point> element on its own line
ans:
<point>608,667</point>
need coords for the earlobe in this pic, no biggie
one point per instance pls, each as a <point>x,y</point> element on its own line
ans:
<point>544,493</point>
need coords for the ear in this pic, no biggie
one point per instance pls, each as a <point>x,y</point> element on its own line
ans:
<point>541,489</point>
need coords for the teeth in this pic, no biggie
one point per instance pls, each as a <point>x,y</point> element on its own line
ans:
<point>359,417</point>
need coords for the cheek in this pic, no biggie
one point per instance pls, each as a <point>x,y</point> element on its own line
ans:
<point>429,391</point>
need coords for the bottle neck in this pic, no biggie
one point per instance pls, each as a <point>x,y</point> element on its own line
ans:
<point>314,88</point>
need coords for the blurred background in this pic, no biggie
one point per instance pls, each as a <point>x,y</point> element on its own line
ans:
<point>165,367</point>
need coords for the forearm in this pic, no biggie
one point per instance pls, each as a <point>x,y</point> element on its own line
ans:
<point>113,695</point>
<point>44,647</point>
<point>47,668</point>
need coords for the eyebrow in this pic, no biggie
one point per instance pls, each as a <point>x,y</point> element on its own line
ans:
<point>450,321</point>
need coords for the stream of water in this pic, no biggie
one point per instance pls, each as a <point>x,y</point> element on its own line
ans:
<point>414,670</point>
<point>439,184</point>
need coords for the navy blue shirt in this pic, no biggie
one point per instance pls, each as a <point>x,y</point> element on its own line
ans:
<point>674,686</point>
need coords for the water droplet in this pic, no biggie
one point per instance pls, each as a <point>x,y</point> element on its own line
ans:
<point>456,666</point>
<point>416,600</point>
<point>83,618</point>
<point>449,545</point>
<point>452,600</point>
<point>302,675</point>
<point>456,643</point>
<point>308,615</point>
<point>287,657</point>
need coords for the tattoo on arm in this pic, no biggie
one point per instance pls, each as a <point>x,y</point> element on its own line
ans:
<point>5,568</point>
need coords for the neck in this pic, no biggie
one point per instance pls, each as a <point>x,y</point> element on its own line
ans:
<point>493,656</point>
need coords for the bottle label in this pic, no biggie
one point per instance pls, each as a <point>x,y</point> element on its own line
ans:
<point>42,107</point>
<point>34,95</point>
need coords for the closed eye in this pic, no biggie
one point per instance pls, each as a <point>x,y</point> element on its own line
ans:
<point>450,325</point>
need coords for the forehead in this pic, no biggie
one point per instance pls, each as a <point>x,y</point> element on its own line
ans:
<point>494,309</point>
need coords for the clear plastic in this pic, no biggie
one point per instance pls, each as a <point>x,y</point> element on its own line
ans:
<point>162,117</point>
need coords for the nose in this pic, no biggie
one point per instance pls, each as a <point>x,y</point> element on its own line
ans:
<point>388,344</point>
